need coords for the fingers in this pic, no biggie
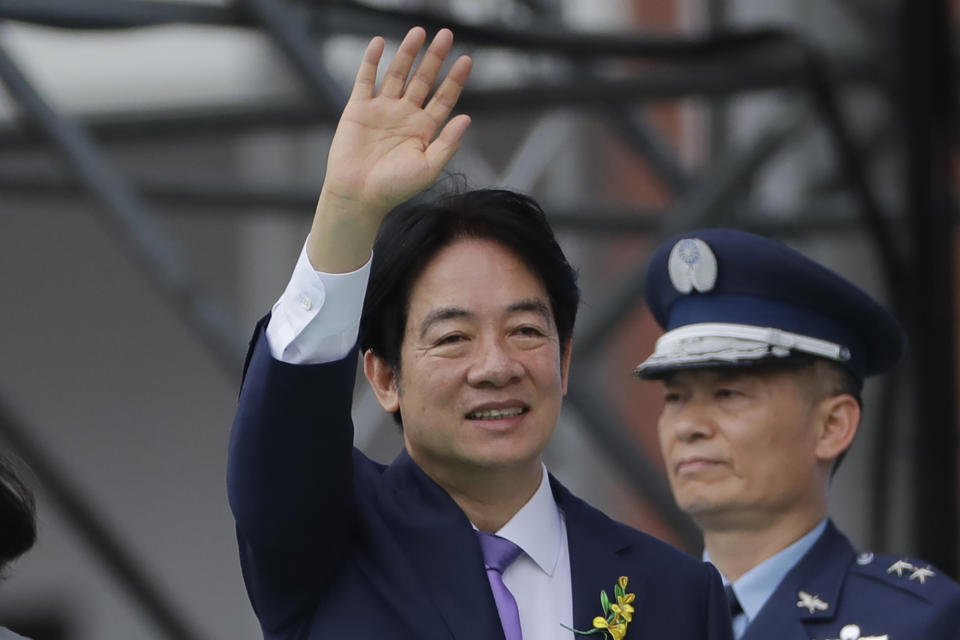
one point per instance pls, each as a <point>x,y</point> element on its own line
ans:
<point>366,78</point>
<point>446,144</point>
<point>426,74</point>
<point>396,75</point>
<point>446,96</point>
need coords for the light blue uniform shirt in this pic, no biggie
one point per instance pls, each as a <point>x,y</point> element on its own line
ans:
<point>755,587</point>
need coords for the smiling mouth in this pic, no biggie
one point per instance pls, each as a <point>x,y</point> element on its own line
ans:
<point>496,414</point>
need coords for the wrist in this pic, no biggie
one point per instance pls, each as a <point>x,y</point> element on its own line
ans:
<point>342,233</point>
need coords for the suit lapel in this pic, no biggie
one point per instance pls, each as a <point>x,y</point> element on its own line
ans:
<point>443,552</point>
<point>820,575</point>
<point>595,563</point>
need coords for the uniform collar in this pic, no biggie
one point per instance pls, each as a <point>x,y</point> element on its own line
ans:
<point>537,527</point>
<point>755,587</point>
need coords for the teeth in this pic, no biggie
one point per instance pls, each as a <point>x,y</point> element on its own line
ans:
<point>495,414</point>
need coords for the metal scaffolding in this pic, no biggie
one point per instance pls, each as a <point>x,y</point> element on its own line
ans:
<point>914,240</point>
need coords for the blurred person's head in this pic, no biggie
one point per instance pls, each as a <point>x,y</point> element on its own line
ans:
<point>18,527</point>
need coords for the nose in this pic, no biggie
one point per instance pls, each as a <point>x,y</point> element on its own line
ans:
<point>494,365</point>
<point>686,421</point>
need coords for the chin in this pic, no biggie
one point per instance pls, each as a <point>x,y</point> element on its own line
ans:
<point>699,506</point>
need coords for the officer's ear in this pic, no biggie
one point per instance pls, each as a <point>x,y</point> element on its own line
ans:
<point>838,418</point>
<point>383,380</point>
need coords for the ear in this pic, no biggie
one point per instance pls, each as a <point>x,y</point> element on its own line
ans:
<point>565,365</point>
<point>839,420</point>
<point>383,380</point>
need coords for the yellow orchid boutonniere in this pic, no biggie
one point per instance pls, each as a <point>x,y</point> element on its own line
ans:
<point>616,615</point>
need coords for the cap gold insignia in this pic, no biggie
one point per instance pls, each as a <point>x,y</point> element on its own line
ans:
<point>692,265</point>
<point>852,632</point>
<point>811,603</point>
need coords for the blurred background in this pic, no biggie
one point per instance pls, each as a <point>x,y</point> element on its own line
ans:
<point>159,164</point>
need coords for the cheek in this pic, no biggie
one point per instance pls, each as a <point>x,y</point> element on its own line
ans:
<point>775,460</point>
<point>664,434</point>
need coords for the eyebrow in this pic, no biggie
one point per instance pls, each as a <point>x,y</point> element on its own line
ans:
<point>438,315</point>
<point>533,305</point>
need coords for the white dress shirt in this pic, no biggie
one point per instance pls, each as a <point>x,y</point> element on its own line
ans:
<point>317,320</point>
<point>755,587</point>
<point>540,578</point>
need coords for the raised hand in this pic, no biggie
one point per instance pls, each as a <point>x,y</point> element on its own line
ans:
<point>386,148</point>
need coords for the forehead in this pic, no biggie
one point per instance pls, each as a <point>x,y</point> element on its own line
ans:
<point>476,274</point>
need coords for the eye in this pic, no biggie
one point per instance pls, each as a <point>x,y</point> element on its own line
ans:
<point>452,338</point>
<point>531,331</point>
<point>671,396</point>
<point>726,393</point>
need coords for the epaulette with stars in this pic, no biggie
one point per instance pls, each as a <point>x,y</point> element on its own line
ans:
<point>909,574</point>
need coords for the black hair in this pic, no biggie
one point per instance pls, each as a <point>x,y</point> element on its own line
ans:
<point>18,523</point>
<point>413,233</point>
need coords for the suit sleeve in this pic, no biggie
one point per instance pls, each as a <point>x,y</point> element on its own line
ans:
<point>717,611</point>
<point>289,479</point>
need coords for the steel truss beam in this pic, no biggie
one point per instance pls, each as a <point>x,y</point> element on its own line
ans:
<point>241,199</point>
<point>775,69</point>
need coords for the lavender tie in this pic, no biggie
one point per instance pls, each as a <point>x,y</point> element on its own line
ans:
<point>498,553</point>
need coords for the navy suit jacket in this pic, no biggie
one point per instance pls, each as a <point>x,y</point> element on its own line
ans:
<point>334,545</point>
<point>861,596</point>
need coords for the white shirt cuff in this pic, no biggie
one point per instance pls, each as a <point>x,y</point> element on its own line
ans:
<point>317,318</point>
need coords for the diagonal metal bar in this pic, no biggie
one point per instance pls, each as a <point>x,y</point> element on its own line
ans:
<point>648,143</point>
<point>825,100</point>
<point>602,425</point>
<point>288,29</point>
<point>93,530</point>
<point>129,218</point>
<point>701,207</point>
<point>538,148</point>
<point>636,133</point>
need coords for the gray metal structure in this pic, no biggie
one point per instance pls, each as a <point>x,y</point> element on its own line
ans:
<point>910,238</point>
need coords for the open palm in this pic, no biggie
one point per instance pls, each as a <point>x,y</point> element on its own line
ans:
<point>386,148</point>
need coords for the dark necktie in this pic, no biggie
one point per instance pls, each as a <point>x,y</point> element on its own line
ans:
<point>735,608</point>
<point>498,553</point>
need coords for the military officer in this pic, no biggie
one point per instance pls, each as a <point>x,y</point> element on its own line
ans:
<point>762,365</point>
